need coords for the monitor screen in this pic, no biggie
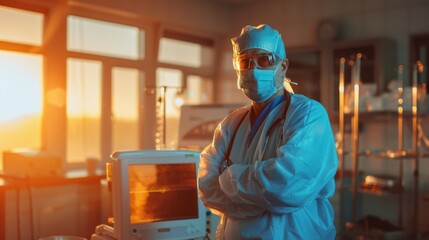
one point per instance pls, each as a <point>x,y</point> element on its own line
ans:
<point>155,190</point>
<point>154,195</point>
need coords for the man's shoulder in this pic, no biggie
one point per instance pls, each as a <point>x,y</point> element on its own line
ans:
<point>237,113</point>
<point>305,105</point>
<point>299,99</point>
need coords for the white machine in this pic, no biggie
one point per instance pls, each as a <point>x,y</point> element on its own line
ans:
<point>198,122</point>
<point>153,195</point>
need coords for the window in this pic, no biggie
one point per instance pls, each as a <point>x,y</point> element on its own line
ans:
<point>20,100</point>
<point>21,80</point>
<point>100,55</point>
<point>125,108</point>
<point>83,110</point>
<point>198,90</point>
<point>169,84</point>
<point>103,38</point>
<point>172,95</point>
<point>27,27</point>
<point>186,50</point>
<point>85,83</point>
<point>178,84</point>
<point>179,52</point>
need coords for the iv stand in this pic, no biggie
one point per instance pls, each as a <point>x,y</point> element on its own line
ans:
<point>400,135</point>
<point>161,135</point>
<point>355,132</point>
<point>414,109</point>
<point>341,136</point>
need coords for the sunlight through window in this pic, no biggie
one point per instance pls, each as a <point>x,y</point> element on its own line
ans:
<point>103,38</point>
<point>27,27</point>
<point>125,109</point>
<point>20,100</point>
<point>83,110</point>
<point>179,52</point>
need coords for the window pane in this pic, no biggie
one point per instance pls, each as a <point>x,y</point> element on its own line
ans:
<point>185,53</point>
<point>168,82</point>
<point>103,38</point>
<point>21,26</point>
<point>207,57</point>
<point>198,90</point>
<point>172,97</point>
<point>125,109</point>
<point>20,107</point>
<point>83,110</point>
<point>171,78</point>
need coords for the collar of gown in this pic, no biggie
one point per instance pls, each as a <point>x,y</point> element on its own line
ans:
<point>256,124</point>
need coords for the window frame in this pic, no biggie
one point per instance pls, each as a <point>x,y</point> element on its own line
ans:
<point>108,63</point>
<point>30,49</point>
<point>206,72</point>
<point>55,54</point>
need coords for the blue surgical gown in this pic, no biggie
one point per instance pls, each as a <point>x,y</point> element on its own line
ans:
<point>279,184</point>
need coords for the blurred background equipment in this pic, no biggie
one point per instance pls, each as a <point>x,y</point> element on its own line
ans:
<point>31,163</point>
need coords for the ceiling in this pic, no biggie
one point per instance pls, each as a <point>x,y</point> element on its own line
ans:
<point>233,2</point>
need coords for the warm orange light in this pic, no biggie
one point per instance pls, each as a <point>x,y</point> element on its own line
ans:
<point>20,100</point>
<point>20,85</point>
<point>420,66</point>
<point>56,97</point>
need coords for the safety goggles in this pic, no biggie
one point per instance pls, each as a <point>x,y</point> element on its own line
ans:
<point>260,60</point>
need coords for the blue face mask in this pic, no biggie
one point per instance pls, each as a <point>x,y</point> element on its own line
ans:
<point>258,84</point>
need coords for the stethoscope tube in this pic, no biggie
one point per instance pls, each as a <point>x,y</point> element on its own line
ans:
<point>279,121</point>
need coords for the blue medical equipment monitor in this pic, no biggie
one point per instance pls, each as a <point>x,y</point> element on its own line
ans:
<point>155,195</point>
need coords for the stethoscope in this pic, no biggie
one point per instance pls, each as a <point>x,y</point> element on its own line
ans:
<point>279,121</point>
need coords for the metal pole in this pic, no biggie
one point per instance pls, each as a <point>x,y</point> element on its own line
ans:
<point>355,132</point>
<point>341,137</point>
<point>400,136</point>
<point>164,114</point>
<point>341,118</point>
<point>414,108</point>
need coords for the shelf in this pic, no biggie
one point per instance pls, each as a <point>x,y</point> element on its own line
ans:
<point>380,116</point>
<point>375,68</point>
<point>393,154</point>
<point>372,227</point>
<point>380,192</point>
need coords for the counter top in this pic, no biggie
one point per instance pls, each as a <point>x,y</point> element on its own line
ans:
<point>69,177</point>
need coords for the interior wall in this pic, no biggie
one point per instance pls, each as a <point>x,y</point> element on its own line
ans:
<point>208,16</point>
<point>297,21</point>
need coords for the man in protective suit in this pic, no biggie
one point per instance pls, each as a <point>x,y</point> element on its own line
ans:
<point>269,172</point>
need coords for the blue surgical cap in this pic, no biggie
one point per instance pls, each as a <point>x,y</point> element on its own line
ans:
<point>262,37</point>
